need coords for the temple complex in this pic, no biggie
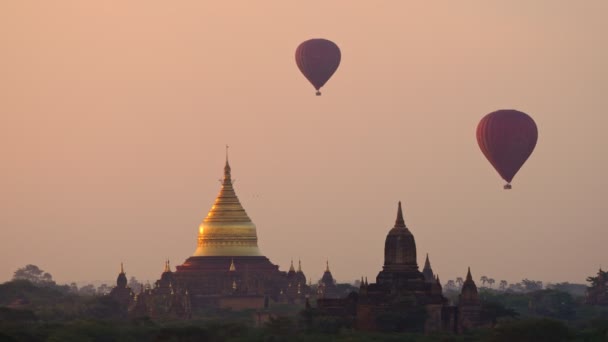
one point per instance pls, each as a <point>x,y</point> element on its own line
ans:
<point>403,298</point>
<point>228,270</point>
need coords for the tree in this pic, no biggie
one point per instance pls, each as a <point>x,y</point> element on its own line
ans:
<point>597,292</point>
<point>493,311</point>
<point>491,281</point>
<point>73,288</point>
<point>517,287</point>
<point>34,274</point>
<point>450,285</point>
<point>459,282</point>
<point>532,285</point>
<point>87,290</point>
<point>103,289</point>
<point>134,284</point>
<point>503,285</point>
<point>483,280</point>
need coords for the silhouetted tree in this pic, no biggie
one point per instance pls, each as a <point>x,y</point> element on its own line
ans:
<point>134,284</point>
<point>34,274</point>
<point>483,280</point>
<point>532,285</point>
<point>103,289</point>
<point>503,285</point>
<point>597,293</point>
<point>491,281</point>
<point>87,290</point>
<point>459,282</point>
<point>450,285</point>
<point>73,288</point>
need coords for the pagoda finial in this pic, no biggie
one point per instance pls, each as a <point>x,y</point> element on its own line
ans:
<point>122,269</point>
<point>469,277</point>
<point>227,167</point>
<point>291,269</point>
<point>232,267</point>
<point>299,265</point>
<point>399,223</point>
<point>327,265</point>
<point>167,267</point>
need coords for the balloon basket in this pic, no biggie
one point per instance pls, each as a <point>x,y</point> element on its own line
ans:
<point>318,93</point>
<point>507,186</point>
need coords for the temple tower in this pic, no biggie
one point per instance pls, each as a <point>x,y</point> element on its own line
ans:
<point>469,305</point>
<point>428,271</point>
<point>227,230</point>
<point>227,268</point>
<point>400,268</point>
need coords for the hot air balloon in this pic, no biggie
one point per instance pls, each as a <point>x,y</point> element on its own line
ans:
<point>507,138</point>
<point>318,59</point>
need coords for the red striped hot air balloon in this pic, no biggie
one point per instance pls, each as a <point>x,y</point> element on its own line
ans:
<point>507,138</point>
<point>318,59</point>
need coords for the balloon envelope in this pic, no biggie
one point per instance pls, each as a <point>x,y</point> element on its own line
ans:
<point>507,138</point>
<point>318,59</point>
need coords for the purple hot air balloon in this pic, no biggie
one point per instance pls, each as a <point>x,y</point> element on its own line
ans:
<point>318,59</point>
<point>507,138</point>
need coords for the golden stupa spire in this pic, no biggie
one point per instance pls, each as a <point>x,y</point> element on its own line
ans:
<point>167,267</point>
<point>299,265</point>
<point>122,269</point>
<point>227,230</point>
<point>232,267</point>
<point>327,265</point>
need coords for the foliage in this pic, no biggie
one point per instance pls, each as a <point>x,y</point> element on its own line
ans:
<point>492,312</point>
<point>532,330</point>
<point>575,290</point>
<point>33,274</point>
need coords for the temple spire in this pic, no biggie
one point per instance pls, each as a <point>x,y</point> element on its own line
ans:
<point>167,267</point>
<point>227,230</point>
<point>299,265</point>
<point>469,277</point>
<point>327,265</point>
<point>291,269</point>
<point>427,263</point>
<point>227,176</point>
<point>122,269</point>
<point>399,223</point>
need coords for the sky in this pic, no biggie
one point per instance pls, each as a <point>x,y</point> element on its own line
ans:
<point>114,116</point>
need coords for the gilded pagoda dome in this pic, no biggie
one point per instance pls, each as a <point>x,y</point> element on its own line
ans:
<point>227,230</point>
<point>400,247</point>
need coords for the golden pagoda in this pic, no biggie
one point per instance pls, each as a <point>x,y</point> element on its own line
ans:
<point>227,237</point>
<point>227,230</point>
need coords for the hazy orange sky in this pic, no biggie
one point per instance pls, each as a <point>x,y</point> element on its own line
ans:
<point>114,116</point>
